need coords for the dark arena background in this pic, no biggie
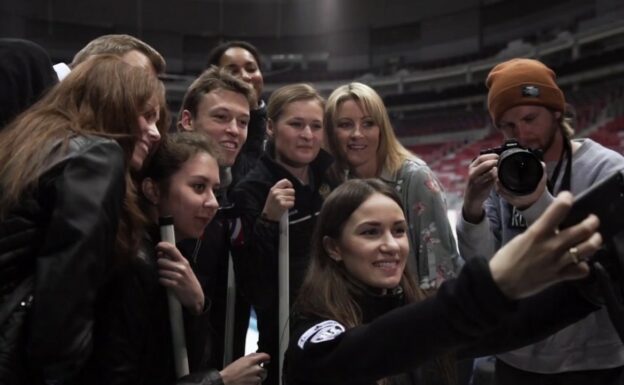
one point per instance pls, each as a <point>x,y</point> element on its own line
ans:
<point>427,58</point>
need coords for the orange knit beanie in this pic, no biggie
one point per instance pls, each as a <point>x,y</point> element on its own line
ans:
<point>521,82</point>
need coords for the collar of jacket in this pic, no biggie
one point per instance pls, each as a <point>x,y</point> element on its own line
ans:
<point>372,302</point>
<point>318,167</point>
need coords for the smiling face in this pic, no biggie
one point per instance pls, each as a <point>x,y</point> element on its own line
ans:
<point>298,133</point>
<point>190,197</point>
<point>373,244</point>
<point>242,64</point>
<point>148,133</point>
<point>357,136</point>
<point>224,116</point>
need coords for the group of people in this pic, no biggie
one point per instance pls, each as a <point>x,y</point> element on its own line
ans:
<point>379,290</point>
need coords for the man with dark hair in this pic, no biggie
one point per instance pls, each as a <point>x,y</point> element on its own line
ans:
<point>218,104</point>
<point>242,60</point>
<point>526,104</point>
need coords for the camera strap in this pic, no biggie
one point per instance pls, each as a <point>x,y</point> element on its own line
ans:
<point>567,175</point>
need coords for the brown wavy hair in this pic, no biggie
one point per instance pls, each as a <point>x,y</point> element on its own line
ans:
<point>103,96</point>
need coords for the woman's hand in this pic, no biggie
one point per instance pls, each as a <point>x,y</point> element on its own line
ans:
<point>281,198</point>
<point>246,370</point>
<point>175,273</point>
<point>542,255</point>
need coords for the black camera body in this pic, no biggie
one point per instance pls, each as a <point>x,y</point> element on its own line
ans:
<point>604,199</point>
<point>519,169</point>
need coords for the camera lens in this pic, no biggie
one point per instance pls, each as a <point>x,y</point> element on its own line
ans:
<point>519,171</point>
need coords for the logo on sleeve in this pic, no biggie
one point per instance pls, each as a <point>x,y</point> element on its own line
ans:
<point>321,332</point>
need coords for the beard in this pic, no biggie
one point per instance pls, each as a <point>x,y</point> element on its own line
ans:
<point>554,130</point>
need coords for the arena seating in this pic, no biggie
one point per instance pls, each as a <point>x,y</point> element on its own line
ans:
<point>599,115</point>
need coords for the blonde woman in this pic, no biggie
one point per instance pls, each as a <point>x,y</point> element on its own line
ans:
<point>361,138</point>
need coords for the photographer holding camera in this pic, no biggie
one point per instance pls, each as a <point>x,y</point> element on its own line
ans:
<point>507,190</point>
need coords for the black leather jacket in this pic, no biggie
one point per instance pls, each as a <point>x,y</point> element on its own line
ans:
<point>63,233</point>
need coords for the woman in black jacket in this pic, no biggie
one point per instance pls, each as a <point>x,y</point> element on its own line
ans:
<point>290,177</point>
<point>361,319</point>
<point>68,213</point>
<point>134,344</point>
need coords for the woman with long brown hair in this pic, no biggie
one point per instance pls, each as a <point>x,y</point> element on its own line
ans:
<point>360,319</point>
<point>69,213</point>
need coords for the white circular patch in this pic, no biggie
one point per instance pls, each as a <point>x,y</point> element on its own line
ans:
<point>321,332</point>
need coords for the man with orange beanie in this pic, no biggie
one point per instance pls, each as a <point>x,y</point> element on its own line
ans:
<point>526,104</point>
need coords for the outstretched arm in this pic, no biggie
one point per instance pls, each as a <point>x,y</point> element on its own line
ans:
<point>465,312</point>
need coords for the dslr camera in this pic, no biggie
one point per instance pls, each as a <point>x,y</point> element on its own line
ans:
<point>519,168</point>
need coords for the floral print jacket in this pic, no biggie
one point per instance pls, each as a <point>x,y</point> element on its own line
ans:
<point>433,249</point>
